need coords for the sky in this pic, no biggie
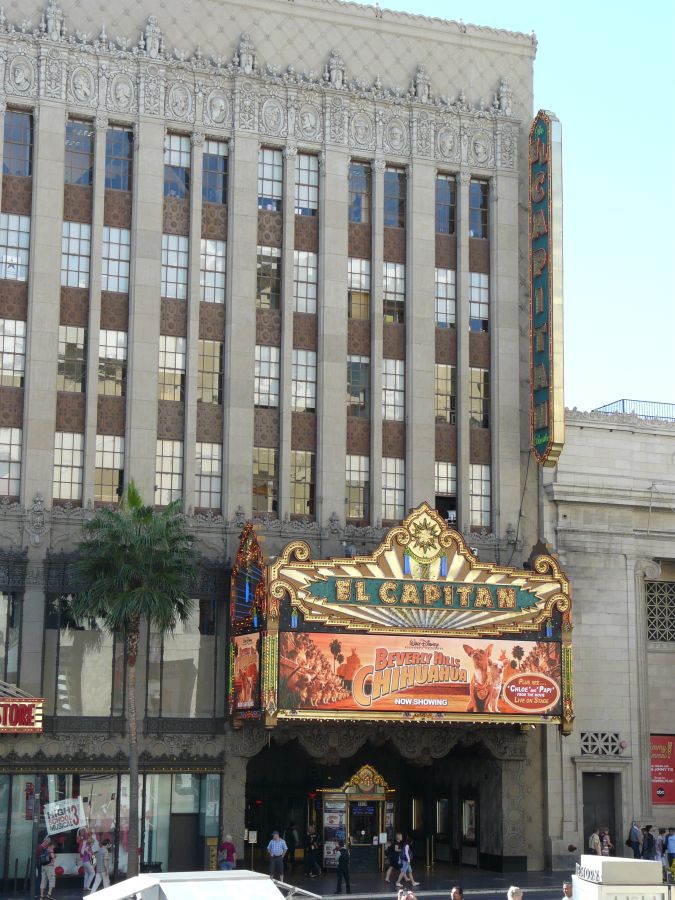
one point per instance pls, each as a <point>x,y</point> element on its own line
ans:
<point>608,72</point>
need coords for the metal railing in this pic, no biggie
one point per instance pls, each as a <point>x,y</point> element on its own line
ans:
<point>645,409</point>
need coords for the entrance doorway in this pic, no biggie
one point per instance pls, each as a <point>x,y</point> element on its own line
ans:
<point>184,842</point>
<point>599,798</point>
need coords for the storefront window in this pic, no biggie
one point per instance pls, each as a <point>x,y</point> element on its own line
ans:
<point>4,813</point>
<point>156,821</point>
<point>21,824</point>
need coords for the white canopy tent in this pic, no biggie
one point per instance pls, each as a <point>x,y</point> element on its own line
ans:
<point>240,884</point>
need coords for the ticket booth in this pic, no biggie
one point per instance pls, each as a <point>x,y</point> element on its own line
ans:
<point>360,813</point>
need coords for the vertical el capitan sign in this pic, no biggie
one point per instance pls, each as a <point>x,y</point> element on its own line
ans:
<point>547,408</point>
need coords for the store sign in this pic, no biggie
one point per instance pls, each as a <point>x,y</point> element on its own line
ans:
<point>546,289</point>
<point>64,815</point>
<point>663,768</point>
<point>21,716</point>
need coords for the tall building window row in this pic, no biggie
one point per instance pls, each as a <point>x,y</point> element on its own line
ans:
<point>303,385</point>
<point>116,255</point>
<point>357,499</point>
<point>72,359</point>
<point>358,288</point>
<point>79,162</point>
<point>168,472</point>
<point>210,372</point>
<point>119,158</point>
<point>479,301</point>
<point>68,465</point>
<point>358,386</point>
<point>445,393</point>
<point>393,390</point>
<point>479,496</point>
<point>12,352</point>
<point>478,209</point>
<point>305,281</point>
<point>75,254</point>
<point>306,184</point>
<point>445,489</point>
<point>109,470</point>
<point>446,204</point>
<point>176,166</point>
<point>270,179</point>
<point>212,270</point>
<point>266,380</point>
<point>265,481</point>
<point>17,155</point>
<point>14,246</point>
<point>393,297</point>
<point>175,256</point>
<point>10,461</point>
<point>112,362</point>
<point>171,377</point>
<point>214,172</point>
<point>360,192</point>
<point>446,303</point>
<point>303,482</point>
<point>479,397</point>
<point>208,475</point>
<point>268,286</point>
<point>394,198</point>
<point>393,488</point>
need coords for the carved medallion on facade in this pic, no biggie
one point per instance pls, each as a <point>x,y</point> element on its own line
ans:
<point>308,123</point>
<point>397,135</point>
<point>82,86</point>
<point>362,130</point>
<point>447,143</point>
<point>272,116</point>
<point>122,93</point>
<point>179,101</point>
<point>482,148</point>
<point>217,108</point>
<point>21,76</point>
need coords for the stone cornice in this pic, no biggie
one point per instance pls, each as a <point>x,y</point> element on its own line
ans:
<point>617,421</point>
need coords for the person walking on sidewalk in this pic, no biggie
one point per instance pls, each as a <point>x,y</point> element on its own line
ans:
<point>343,860</point>
<point>277,849</point>
<point>102,865</point>
<point>406,865</point>
<point>47,868</point>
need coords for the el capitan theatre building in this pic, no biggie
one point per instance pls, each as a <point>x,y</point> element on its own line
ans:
<point>426,677</point>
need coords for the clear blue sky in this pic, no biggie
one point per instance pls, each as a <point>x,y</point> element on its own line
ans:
<point>607,71</point>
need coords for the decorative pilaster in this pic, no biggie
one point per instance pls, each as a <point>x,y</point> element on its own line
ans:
<point>376,338</point>
<point>645,570</point>
<point>462,318</point>
<point>286,351</point>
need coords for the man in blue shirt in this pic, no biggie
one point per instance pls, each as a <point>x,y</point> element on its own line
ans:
<point>670,846</point>
<point>277,849</point>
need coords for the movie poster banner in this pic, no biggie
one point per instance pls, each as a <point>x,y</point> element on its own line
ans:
<point>246,672</point>
<point>368,675</point>
<point>663,768</point>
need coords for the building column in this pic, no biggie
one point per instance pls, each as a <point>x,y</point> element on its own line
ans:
<point>462,372</point>
<point>420,337</point>
<point>233,801</point>
<point>376,339</point>
<point>194,293</point>
<point>94,320</point>
<point>286,349</point>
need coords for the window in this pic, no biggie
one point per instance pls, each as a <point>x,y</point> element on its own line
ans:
<point>445,393</point>
<point>305,274</point>
<point>479,495</point>
<point>393,301</point>
<point>266,390</point>
<point>446,490</point>
<point>208,475</point>
<point>174,266</point>
<point>303,482</point>
<point>176,166</point>
<point>112,363</point>
<point>479,397</point>
<point>68,465</point>
<point>210,372</point>
<point>270,179</point>
<point>304,380</point>
<point>109,472</point>
<point>14,245</point>
<point>11,610</point>
<point>394,198</point>
<point>71,368</point>
<point>478,209</point>
<point>212,271</point>
<point>265,484</point>
<point>358,386</point>
<point>446,203</point>
<point>357,500</point>
<point>171,379</point>
<point>660,597</point>
<point>306,184</point>
<point>214,172</point>
<point>10,461</point>
<point>359,192</point>
<point>119,158</point>
<point>445,298</point>
<point>478,301</point>
<point>393,390</point>
<point>168,472</point>
<point>116,254</point>
<point>75,254</point>
<point>12,352</point>
<point>393,488</point>
<point>17,155</point>
<point>79,165</point>
<point>358,287</point>
<point>268,295</point>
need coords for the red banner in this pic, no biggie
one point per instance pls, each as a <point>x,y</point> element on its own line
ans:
<point>663,768</point>
<point>20,716</point>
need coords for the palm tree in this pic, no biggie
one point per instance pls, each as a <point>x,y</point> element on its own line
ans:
<point>335,648</point>
<point>135,563</point>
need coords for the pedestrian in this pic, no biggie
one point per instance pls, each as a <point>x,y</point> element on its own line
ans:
<point>102,865</point>
<point>634,839</point>
<point>292,839</point>
<point>406,864</point>
<point>594,842</point>
<point>45,861</point>
<point>86,847</point>
<point>312,846</point>
<point>227,854</point>
<point>457,892</point>
<point>660,847</point>
<point>343,860</point>
<point>393,857</point>
<point>648,843</point>
<point>670,846</point>
<point>606,841</point>
<point>567,890</point>
<point>277,849</point>
<point>514,893</point>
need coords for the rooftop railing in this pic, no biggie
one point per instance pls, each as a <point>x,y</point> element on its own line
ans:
<point>645,409</point>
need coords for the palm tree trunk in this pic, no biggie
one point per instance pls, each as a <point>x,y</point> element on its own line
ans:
<point>132,730</point>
